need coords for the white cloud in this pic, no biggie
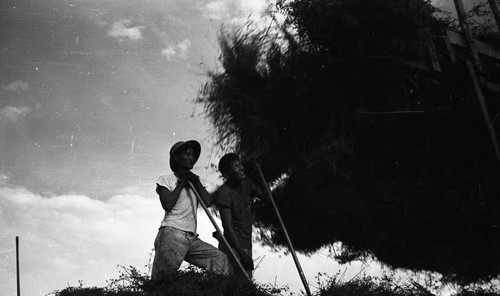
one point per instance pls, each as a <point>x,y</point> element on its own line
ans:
<point>170,48</point>
<point>73,237</point>
<point>16,86</point>
<point>122,29</point>
<point>217,10</point>
<point>235,11</point>
<point>179,50</point>
<point>13,113</point>
<point>255,6</point>
<point>183,47</point>
<point>169,52</point>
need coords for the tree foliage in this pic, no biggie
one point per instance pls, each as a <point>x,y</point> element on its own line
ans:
<point>390,161</point>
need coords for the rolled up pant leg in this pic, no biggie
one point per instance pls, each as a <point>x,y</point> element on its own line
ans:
<point>206,256</point>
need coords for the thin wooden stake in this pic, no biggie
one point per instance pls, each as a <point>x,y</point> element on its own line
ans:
<point>496,12</point>
<point>233,254</point>
<point>482,102</point>
<point>459,6</point>
<point>283,228</point>
<point>17,267</point>
<point>476,71</point>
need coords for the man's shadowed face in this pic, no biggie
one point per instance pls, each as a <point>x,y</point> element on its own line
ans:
<point>235,171</point>
<point>185,158</point>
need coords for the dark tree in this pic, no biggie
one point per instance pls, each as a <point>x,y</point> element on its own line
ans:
<point>393,162</point>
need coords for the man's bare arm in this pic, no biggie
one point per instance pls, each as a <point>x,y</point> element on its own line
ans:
<point>169,198</point>
<point>202,191</point>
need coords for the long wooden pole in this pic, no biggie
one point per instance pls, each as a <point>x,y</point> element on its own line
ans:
<point>283,228</point>
<point>484,108</point>
<point>17,267</point>
<point>217,228</point>
<point>496,12</point>
<point>476,71</point>
<point>459,6</point>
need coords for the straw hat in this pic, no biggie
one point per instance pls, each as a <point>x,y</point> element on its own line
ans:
<point>181,145</point>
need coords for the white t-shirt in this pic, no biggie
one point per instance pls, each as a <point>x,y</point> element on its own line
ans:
<point>183,214</point>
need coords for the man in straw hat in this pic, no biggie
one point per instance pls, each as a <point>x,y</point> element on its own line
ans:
<point>177,239</point>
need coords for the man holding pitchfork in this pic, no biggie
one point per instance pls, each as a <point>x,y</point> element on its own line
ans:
<point>177,239</point>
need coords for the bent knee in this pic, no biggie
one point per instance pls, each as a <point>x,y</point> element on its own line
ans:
<point>220,264</point>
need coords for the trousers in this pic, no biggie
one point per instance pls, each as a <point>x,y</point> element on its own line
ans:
<point>233,265</point>
<point>173,245</point>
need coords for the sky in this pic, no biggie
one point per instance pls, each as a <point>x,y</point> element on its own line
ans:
<point>92,96</point>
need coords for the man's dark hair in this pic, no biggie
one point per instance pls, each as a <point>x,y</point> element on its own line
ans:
<point>226,161</point>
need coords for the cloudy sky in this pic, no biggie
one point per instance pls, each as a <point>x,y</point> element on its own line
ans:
<point>92,95</point>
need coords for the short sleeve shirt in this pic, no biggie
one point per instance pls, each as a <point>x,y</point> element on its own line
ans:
<point>183,215</point>
<point>239,201</point>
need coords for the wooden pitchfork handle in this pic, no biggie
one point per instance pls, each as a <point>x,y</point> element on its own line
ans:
<point>233,254</point>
